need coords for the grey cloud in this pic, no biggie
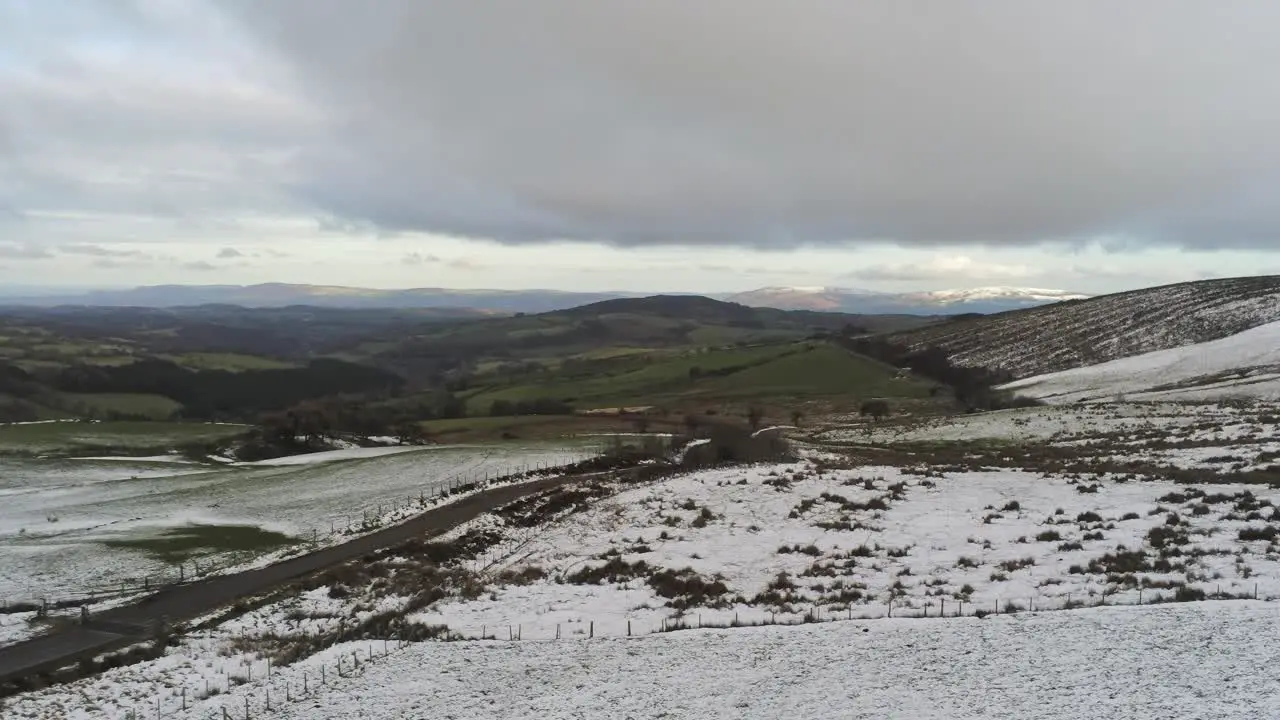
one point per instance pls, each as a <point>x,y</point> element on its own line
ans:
<point>180,120</point>
<point>199,265</point>
<point>229,252</point>
<point>97,251</point>
<point>772,124</point>
<point>417,258</point>
<point>24,252</point>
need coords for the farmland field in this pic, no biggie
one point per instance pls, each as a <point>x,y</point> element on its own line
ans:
<point>66,524</point>
<point>69,438</point>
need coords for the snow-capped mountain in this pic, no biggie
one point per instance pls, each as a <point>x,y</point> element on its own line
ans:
<point>935,302</point>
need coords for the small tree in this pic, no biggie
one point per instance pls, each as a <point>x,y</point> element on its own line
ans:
<point>754,415</point>
<point>641,424</point>
<point>877,409</point>
<point>691,424</point>
<point>795,417</point>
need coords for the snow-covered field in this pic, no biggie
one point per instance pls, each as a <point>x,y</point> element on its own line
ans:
<point>59,517</point>
<point>1245,365</point>
<point>843,561</point>
<point>1199,660</point>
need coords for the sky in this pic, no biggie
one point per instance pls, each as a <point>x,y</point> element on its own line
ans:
<point>716,146</point>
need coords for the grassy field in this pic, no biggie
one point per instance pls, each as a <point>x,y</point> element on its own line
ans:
<point>234,362</point>
<point>824,371</point>
<point>772,374</point>
<point>538,427</point>
<point>72,438</point>
<point>179,544</point>
<point>630,380</point>
<point>156,407</point>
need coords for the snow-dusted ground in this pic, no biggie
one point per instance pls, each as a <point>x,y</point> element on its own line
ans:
<point>1200,660</point>
<point>56,515</point>
<point>1067,424</point>
<point>1243,365</point>
<point>828,538</point>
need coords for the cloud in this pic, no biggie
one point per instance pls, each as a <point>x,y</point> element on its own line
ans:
<point>97,251</point>
<point>229,252</point>
<point>199,266</point>
<point>948,267</point>
<point>24,252</point>
<point>756,122</point>
<point>417,258</point>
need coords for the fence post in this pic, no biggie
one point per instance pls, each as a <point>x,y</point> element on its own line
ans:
<point>246,707</point>
<point>942,612</point>
<point>628,628</point>
<point>593,629</point>
<point>557,631</point>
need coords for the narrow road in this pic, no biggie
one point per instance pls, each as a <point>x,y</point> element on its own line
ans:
<point>109,630</point>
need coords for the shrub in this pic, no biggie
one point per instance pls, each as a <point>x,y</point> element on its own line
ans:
<point>1088,517</point>
<point>1049,536</point>
<point>1011,506</point>
<point>966,562</point>
<point>1188,594</point>
<point>1266,532</point>
<point>1130,516</point>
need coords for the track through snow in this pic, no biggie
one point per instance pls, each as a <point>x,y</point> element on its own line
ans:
<point>1203,660</point>
<point>1243,365</point>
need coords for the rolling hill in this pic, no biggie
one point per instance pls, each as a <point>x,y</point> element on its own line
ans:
<point>1079,333</point>
<point>1244,365</point>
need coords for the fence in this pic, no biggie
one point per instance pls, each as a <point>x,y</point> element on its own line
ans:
<point>371,517</point>
<point>276,688</point>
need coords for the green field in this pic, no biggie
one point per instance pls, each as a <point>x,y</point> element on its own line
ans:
<point>826,370</point>
<point>233,362</point>
<point>156,407</point>
<point>630,380</point>
<point>772,374</point>
<point>129,438</point>
<point>179,544</point>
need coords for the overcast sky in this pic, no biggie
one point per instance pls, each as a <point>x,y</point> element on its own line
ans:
<point>712,145</point>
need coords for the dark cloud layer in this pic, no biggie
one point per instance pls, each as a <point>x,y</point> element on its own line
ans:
<point>734,122</point>
<point>774,123</point>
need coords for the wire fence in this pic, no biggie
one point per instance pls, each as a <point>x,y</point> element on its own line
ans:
<point>257,689</point>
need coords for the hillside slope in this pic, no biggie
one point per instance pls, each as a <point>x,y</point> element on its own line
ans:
<point>1245,365</point>
<point>1087,332</point>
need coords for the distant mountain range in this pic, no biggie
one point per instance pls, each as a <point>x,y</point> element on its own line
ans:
<point>943,302</point>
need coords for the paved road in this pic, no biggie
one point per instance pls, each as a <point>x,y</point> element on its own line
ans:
<point>191,600</point>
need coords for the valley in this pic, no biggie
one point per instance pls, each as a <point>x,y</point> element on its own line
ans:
<point>779,484</point>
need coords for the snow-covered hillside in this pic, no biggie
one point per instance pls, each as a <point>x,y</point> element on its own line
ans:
<point>1244,365</point>
<point>931,302</point>
<point>1074,334</point>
